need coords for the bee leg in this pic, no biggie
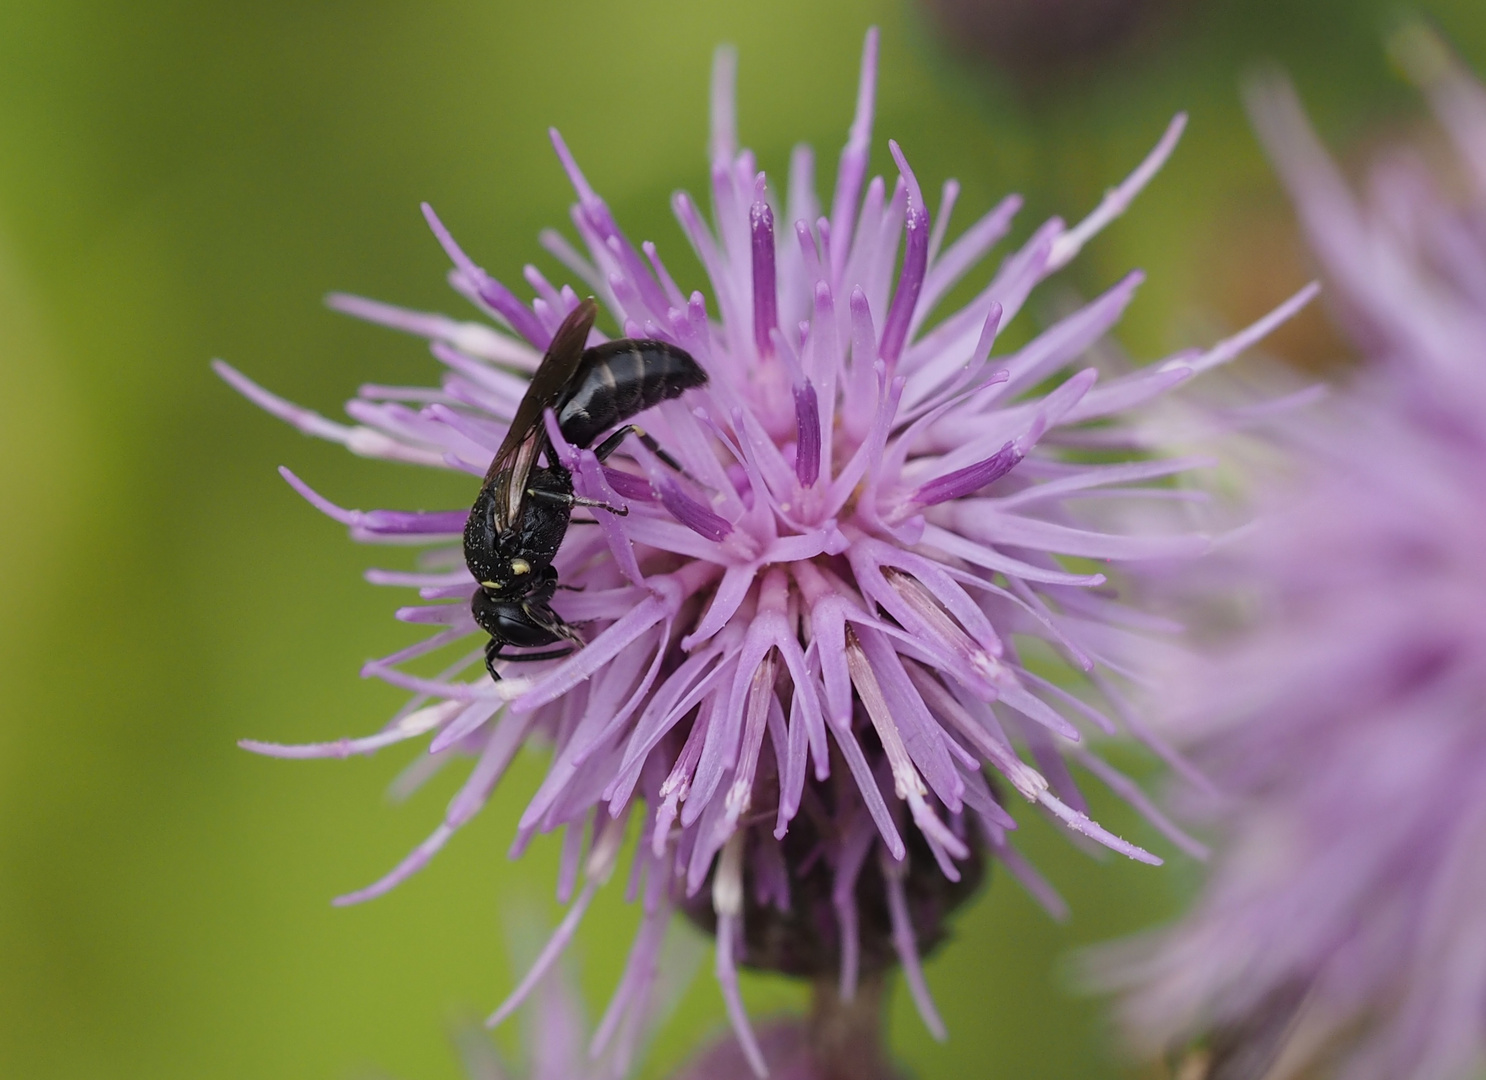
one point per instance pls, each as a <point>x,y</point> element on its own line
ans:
<point>622,511</point>
<point>550,621</point>
<point>569,588</point>
<point>560,498</point>
<point>609,445</point>
<point>492,654</point>
<point>569,634</point>
<point>550,654</point>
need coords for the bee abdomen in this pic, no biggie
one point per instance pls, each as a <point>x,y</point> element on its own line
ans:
<point>620,378</point>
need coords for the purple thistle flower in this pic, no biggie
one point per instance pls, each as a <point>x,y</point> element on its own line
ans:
<point>802,673</point>
<point>836,1043</point>
<point>555,1029</point>
<point>1343,931</point>
<point>839,1041</point>
<point>555,1034</point>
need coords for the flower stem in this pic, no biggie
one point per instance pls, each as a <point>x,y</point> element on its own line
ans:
<point>846,1040</point>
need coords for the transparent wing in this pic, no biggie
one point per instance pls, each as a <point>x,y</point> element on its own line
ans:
<point>526,438</point>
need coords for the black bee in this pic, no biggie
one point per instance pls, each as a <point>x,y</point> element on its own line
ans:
<point>522,512</point>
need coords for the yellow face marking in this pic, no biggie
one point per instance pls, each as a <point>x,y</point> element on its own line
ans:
<point>490,585</point>
<point>520,566</point>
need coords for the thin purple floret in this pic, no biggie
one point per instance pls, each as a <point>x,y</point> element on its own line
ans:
<point>807,446</point>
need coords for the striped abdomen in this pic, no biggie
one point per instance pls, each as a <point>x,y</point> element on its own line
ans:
<point>618,379</point>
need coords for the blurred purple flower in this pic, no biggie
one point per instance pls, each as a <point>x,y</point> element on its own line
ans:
<point>840,1040</point>
<point>1343,931</point>
<point>1046,42</point>
<point>799,642</point>
<point>554,1043</point>
<point>555,1032</point>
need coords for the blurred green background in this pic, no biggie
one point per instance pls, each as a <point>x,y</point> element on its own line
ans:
<point>186,180</point>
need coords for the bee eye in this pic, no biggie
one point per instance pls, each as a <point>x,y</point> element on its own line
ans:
<point>520,566</point>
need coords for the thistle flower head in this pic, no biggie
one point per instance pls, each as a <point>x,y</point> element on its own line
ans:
<point>555,1033</point>
<point>804,669</point>
<point>1343,930</point>
<point>555,1030</point>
